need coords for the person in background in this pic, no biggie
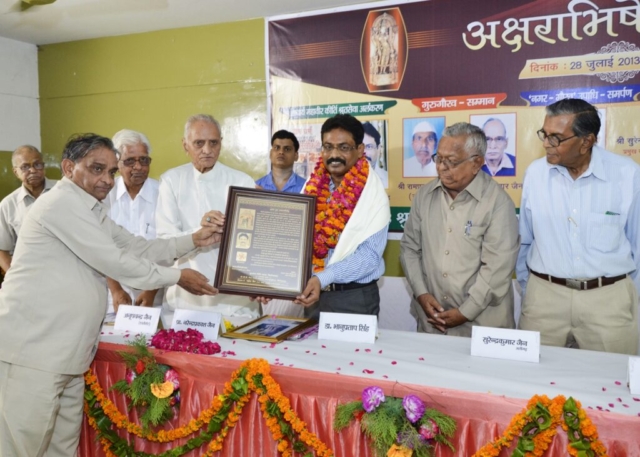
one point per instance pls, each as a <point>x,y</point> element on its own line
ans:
<point>460,242</point>
<point>54,298</point>
<point>372,152</point>
<point>579,263</point>
<point>283,154</point>
<point>28,167</point>
<point>185,194</point>
<point>132,205</point>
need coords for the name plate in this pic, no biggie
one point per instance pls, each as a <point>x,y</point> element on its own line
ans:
<point>503,343</point>
<point>356,328</point>
<point>137,319</point>
<point>205,322</point>
<point>634,375</point>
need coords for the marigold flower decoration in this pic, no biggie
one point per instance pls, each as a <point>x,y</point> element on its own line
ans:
<point>397,427</point>
<point>333,210</point>
<point>537,424</point>
<point>223,414</point>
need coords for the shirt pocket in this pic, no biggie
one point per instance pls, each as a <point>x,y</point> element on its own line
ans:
<point>476,235</point>
<point>605,231</point>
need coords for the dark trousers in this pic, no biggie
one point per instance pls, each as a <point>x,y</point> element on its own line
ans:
<point>365,300</point>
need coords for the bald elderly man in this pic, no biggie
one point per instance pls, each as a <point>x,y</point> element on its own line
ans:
<point>28,167</point>
<point>424,142</point>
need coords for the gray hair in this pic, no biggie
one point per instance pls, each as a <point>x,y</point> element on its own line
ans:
<point>201,118</point>
<point>476,139</point>
<point>81,144</point>
<point>495,119</point>
<point>20,149</point>
<point>126,137</point>
<point>586,120</point>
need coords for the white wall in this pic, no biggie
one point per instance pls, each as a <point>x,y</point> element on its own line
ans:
<point>19,104</point>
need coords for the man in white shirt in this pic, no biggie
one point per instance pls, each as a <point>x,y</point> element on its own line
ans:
<point>132,205</point>
<point>424,142</point>
<point>28,167</point>
<point>186,193</point>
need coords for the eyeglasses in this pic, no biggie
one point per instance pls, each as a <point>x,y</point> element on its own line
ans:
<point>449,164</point>
<point>344,147</point>
<point>143,161</point>
<point>496,139</point>
<point>25,167</point>
<point>553,139</point>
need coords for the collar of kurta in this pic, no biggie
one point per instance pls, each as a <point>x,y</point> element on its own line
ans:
<point>209,176</point>
<point>145,192</point>
<point>87,199</point>
<point>24,193</point>
<point>475,187</point>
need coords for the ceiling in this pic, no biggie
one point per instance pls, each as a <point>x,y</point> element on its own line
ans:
<point>71,20</point>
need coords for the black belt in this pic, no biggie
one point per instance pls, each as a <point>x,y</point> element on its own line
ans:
<point>347,286</point>
<point>580,284</point>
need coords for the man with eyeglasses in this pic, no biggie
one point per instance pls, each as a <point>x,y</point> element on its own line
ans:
<point>579,264</point>
<point>53,299</point>
<point>185,194</point>
<point>424,142</point>
<point>283,154</point>
<point>497,162</point>
<point>461,242</point>
<point>353,214</point>
<point>28,167</point>
<point>132,205</point>
<point>372,151</point>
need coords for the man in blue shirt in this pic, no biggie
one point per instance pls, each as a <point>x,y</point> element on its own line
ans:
<point>351,224</point>
<point>580,237</point>
<point>283,154</point>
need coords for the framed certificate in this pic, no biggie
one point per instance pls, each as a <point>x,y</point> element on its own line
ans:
<point>270,329</point>
<point>267,244</point>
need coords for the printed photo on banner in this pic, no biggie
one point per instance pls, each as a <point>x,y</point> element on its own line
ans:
<point>375,148</point>
<point>500,129</point>
<point>420,140</point>
<point>308,136</point>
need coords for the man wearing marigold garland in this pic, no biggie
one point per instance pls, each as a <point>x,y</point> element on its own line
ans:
<point>461,242</point>
<point>54,298</point>
<point>351,224</point>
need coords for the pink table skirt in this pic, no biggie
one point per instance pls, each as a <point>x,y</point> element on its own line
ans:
<point>314,396</point>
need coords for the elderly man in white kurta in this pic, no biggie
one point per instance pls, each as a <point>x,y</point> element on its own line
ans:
<point>132,204</point>
<point>186,193</point>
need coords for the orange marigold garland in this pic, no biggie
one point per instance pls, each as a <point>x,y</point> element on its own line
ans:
<point>333,210</point>
<point>537,424</point>
<point>223,414</point>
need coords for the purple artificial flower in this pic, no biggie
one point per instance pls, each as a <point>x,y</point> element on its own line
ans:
<point>429,430</point>
<point>371,398</point>
<point>414,408</point>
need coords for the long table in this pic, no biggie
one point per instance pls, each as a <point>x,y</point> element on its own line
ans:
<point>482,394</point>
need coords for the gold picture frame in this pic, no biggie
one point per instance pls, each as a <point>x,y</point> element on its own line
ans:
<point>270,329</point>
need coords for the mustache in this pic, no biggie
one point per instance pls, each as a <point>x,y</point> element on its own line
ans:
<point>336,159</point>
